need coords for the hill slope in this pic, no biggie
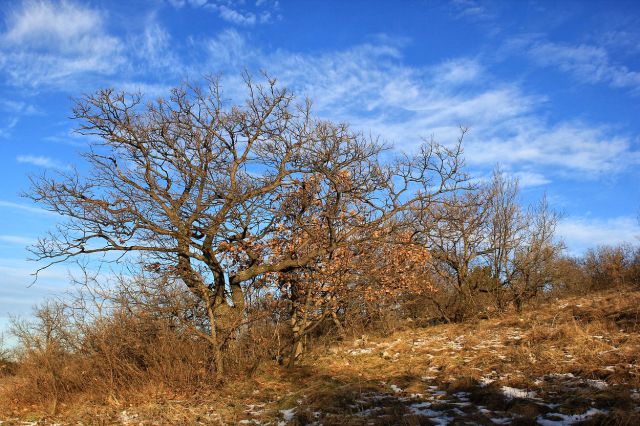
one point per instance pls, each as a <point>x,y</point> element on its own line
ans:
<point>574,361</point>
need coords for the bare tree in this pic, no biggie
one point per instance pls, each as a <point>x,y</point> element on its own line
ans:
<point>456,234</point>
<point>199,187</point>
<point>484,242</point>
<point>507,234</point>
<point>524,244</point>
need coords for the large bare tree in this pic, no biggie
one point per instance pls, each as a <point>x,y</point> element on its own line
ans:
<point>199,186</point>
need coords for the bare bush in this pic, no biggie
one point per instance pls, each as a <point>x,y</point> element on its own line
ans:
<point>609,266</point>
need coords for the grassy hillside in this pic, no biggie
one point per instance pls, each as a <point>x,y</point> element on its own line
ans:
<point>573,361</point>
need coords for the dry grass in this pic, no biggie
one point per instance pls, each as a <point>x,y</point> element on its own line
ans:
<point>580,353</point>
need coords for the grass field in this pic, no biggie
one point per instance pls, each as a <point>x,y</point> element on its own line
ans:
<point>572,361</point>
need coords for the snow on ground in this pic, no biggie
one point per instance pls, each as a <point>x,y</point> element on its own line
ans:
<point>287,416</point>
<point>558,419</point>
<point>511,393</point>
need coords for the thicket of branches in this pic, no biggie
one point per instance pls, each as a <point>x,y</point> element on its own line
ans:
<point>252,232</point>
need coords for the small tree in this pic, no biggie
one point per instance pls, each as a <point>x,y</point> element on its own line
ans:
<point>483,242</point>
<point>455,232</point>
<point>523,242</point>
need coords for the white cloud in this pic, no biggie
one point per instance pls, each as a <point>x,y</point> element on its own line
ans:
<point>16,239</point>
<point>455,71</point>
<point>369,86</point>
<point>14,110</point>
<point>569,146</point>
<point>46,42</point>
<point>470,9</point>
<point>7,125</point>
<point>236,17</point>
<point>18,107</point>
<point>581,233</point>
<point>25,208</point>
<point>234,12</point>
<point>155,51</point>
<point>41,161</point>
<point>528,179</point>
<point>587,63</point>
<point>227,49</point>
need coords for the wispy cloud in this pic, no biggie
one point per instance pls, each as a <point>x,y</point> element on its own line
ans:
<point>16,239</point>
<point>369,85</point>
<point>589,64</point>
<point>571,146</point>
<point>46,42</point>
<point>581,233</point>
<point>470,9</point>
<point>155,51</point>
<point>41,161</point>
<point>528,179</point>
<point>6,125</point>
<point>13,111</point>
<point>18,107</point>
<point>25,208</point>
<point>235,16</point>
<point>236,13</point>
<point>476,12</point>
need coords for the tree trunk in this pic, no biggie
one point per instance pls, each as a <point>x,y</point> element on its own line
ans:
<point>297,346</point>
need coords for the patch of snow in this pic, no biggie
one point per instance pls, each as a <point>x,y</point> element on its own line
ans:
<point>511,393</point>
<point>597,384</point>
<point>361,351</point>
<point>127,418</point>
<point>485,381</point>
<point>562,376</point>
<point>458,412</point>
<point>255,409</point>
<point>415,408</point>
<point>395,388</point>
<point>287,415</point>
<point>437,417</point>
<point>559,419</point>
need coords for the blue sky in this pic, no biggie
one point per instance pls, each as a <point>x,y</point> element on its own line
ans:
<point>549,90</point>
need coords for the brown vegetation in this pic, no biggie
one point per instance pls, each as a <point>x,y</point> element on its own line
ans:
<point>566,356</point>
